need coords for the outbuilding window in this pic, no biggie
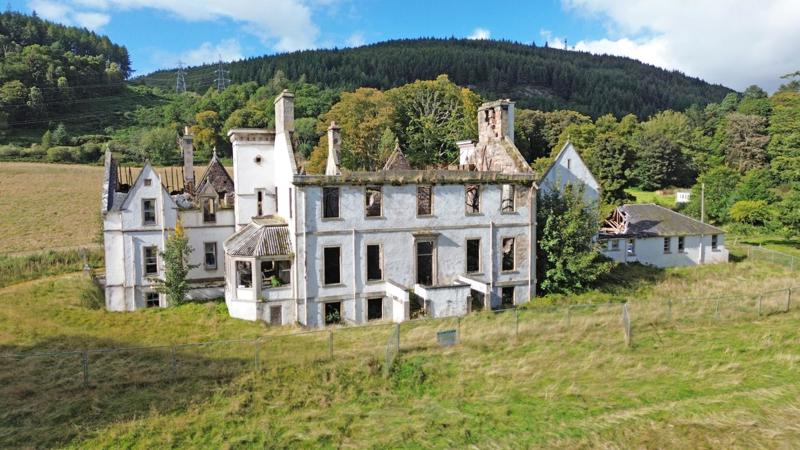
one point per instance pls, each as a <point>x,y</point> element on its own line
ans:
<point>151,260</point>
<point>149,211</point>
<point>631,247</point>
<point>681,244</point>
<point>714,242</point>
<point>667,245</point>
<point>330,202</point>
<point>614,245</point>
<point>244,274</point>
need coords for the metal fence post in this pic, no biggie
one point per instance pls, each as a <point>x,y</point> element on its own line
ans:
<point>173,363</point>
<point>85,364</point>
<point>330,344</point>
<point>255,354</point>
<point>626,325</point>
<point>516,323</point>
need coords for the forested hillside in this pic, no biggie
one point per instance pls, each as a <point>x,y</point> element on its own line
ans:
<point>535,77</point>
<point>47,68</point>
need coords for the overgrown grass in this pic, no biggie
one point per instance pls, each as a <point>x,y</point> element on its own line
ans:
<point>711,374</point>
<point>667,201</point>
<point>15,269</point>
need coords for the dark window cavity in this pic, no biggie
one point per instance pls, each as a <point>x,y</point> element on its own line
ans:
<point>330,200</point>
<point>333,313</point>
<point>373,201</point>
<point>244,274</point>
<point>374,308</point>
<point>149,211</point>
<point>210,250</point>
<point>424,200</point>
<point>507,300</point>
<point>508,254</point>
<point>150,260</point>
<point>331,265</point>
<point>276,273</point>
<point>152,300</point>
<point>473,198</point>
<point>425,263</point>
<point>209,210</point>
<point>473,255</point>
<point>374,263</point>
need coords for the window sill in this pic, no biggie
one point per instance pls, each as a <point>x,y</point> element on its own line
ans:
<point>479,273</point>
<point>210,268</point>
<point>425,216</point>
<point>510,272</point>
<point>509,213</point>
<point>332,219</point>
<point>334,285</point>
<point>376,281</point>
<point>375,217</point>
<point>474,214</point>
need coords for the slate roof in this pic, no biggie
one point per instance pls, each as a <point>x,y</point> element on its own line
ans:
<point>656,221</point>
<point>267,236</point>
<point>218,177</point>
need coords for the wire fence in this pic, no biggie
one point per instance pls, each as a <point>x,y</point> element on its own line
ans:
<point>759,253</point>
<point>377,343</point>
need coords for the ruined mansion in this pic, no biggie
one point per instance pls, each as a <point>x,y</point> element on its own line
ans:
<point>284,246</point>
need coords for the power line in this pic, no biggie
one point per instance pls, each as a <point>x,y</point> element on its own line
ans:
<point>180,82</point>
<point>222,76</point>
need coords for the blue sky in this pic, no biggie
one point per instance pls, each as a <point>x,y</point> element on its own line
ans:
<point>747,42</point>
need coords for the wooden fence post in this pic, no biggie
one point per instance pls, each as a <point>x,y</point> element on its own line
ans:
<point>788,299</point>
<point>85,365</point>
<point>626,325</point>
<point>330,344</point>
<point>759,306</point>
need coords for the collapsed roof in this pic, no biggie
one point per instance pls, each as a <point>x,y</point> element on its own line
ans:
<point>652,221</point>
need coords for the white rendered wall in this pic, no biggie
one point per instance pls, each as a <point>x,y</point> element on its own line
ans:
<point>577,173</point>
<point>650,251</point>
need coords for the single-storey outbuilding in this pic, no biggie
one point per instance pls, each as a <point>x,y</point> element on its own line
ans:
<point>657,236</point>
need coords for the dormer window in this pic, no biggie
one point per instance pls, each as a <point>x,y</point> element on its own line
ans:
<point>258,159</point>
<point>148,182</point>
<point>209,210</point>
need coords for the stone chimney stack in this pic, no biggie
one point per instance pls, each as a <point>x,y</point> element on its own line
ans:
<point>284,112</point>
<point>185,143</point>
<point>334,145</point>
<point>496,120</point>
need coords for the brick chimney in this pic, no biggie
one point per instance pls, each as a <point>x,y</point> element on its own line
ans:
<point>496,120</point>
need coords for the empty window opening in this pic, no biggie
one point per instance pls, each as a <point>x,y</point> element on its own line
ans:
<point>275,316</point>
<point>473,255</point>
<point>210,250</point>
<point>331,265</point>
<point>373,201</point>
<point>333,313</point>
<point>330,199</point>
<point>209,210</point>
<point>508,254</point>
<point>631,247</point>
<point>681,244</point>
<point>276,273</point>
<point>614,245</point>
<point>507,297</point>
<point>424,200</point>
<point>148,182</point>
<point>477,300</point>
<point>569,163</point>
<point>667,244</point>
<point>714,242</point>
<point>259,203</point>
<point>244,274</point>
<point>507,199</point>
<point>150,260</point>
<point>152,300</point>
<point>375,308</point>
<point>374,263</point>
<point>149,211</point>
<point>473,198</point>
<point>425,263</point>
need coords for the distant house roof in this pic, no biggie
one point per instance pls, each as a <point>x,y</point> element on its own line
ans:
<point>653,221</point>
<point>267,236</point>
<point>217,177</point>
<point>397,160</point>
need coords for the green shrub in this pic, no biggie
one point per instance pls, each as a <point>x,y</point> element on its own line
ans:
<point>91,139</point>
<point>15,269</point>
<point>90,152</point>
<point>92,295</point>
<point>63,154</point>
<point>35,151</point>
<point>10,151</point>
<point>752,212</point>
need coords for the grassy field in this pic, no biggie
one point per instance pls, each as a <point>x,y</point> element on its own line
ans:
<point>50,206</point>
<point>667,201</point>
<point>709,374</point>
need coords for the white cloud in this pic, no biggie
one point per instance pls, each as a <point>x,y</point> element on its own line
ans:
<point>552,41</point>
<point>227,50</point>
<point>50,10</point>
<point>91,20</point>
<point>480,33</point>
<point>736,43</point>
<point>285,25</point>
<point>355,40</point>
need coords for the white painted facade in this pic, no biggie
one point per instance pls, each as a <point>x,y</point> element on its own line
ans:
<point>569,168</point>
<point>651,250</point>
